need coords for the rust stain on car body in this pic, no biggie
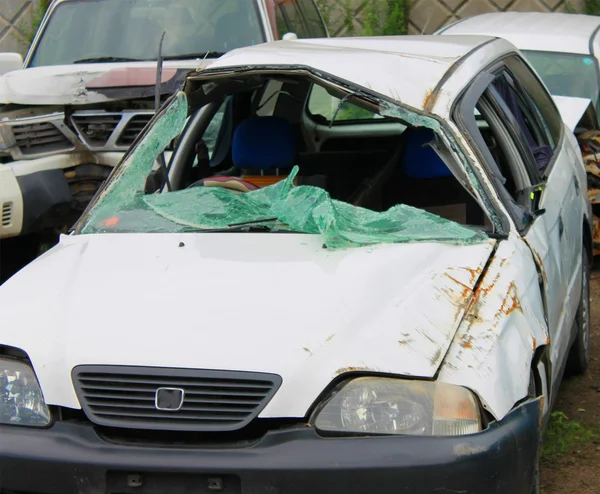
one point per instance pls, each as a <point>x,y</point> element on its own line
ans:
<point>428,95</point>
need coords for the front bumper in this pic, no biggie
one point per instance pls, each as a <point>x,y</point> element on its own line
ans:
<point>69,458</point>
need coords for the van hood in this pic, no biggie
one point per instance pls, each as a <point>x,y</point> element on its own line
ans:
<point>82,84</point>
<point>277,303</point>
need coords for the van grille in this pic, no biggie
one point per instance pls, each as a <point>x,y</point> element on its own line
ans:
<point>116,396</point>
<point>7,214</point>
<point>41,137</point>
<point>133,128</point>
<point>96,130</point>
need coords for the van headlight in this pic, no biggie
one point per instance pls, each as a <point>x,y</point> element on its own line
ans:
<point>376,405</point>
<point>21,399</point>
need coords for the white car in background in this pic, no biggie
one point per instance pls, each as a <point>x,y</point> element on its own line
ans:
<point>373,280</point>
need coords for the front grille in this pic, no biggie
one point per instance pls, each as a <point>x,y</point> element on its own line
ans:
<point>42,137</point>
<point>133,128</point>
<point>6,214</point>
<point>96,129</point>
<point>116,396</point>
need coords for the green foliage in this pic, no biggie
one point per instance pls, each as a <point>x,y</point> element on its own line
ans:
<point>592,7</point>
<point>380,17</point>
<point>563,436</point>
<point>39,9</point>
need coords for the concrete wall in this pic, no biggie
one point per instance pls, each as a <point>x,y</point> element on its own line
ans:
<point>15,22</point>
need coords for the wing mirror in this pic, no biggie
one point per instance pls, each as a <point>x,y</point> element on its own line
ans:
<point>290,37</point>
<point>10,62</point>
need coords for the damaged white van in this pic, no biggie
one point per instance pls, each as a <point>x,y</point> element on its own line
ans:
<point>86,90</point>
<point>372,279</point>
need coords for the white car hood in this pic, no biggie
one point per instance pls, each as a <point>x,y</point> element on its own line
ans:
<point>79,84</point>
<point>277,303</point>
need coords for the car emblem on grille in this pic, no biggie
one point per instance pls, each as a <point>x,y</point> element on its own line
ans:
<point>169,399</point>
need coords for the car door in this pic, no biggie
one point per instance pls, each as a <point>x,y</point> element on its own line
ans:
<point>555,232</point>
<point>499,139</point>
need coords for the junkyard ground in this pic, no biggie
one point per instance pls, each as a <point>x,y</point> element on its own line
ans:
<point>571,464</point>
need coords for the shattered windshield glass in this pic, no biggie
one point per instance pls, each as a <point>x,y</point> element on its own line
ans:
<point>88,31</point>
<point>282,207</point>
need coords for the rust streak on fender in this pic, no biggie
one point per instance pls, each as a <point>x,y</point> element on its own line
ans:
<point>511,301</point>
<point>428,95</point>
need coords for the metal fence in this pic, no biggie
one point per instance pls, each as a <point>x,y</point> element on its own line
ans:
<point>345,17</point>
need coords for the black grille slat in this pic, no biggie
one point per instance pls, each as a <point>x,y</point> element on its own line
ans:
<point>180,382</point>
<point>96,129</point>
<point>212,400</point>
<point>134,127</point>
<point>143,413</point>
<point>37,138</point>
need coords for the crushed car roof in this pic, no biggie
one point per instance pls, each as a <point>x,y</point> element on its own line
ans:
<point>543,31</point>
<point>406,69</point>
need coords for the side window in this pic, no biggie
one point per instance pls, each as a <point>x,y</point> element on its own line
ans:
<point>314,22</point>
<point>524,118</point>
<point>300,17</point>
<point>282,26</point>
<point>212,131</point>
<point>540,99</point>
<point>324,106</point>
<point>501,151</point>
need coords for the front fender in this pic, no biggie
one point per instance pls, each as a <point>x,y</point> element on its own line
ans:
<point>504,325</point>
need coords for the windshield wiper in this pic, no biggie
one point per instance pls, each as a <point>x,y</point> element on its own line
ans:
<point>252,222</point>
<point>202,56</point>
<point>108,59</point>
<point>254,226</point>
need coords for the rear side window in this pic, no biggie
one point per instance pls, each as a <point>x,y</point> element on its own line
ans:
<point>540,100</point>
<point>324,106</point>
<point>300,17</point>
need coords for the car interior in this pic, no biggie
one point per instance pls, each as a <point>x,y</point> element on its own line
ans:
<point>249,132</point>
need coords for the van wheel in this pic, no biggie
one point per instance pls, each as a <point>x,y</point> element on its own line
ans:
<point>579,355</point>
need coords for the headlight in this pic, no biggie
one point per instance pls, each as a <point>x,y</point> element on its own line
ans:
<point>375,405</point>
<point>21,399</point>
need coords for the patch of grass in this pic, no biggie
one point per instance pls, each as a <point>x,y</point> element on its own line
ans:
<point>563,436</point>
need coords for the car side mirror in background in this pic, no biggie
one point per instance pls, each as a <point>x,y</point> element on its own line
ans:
<point>10,62</point>
<point>290,36</point>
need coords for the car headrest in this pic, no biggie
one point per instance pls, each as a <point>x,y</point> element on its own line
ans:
<point>418,160</point>
<point>261,143</point>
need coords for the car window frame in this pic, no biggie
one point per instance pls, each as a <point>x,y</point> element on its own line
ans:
<point>463,115</point>
<point>559,139</point>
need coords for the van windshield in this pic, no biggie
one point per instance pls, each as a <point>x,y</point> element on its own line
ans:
<point>567,74</point>
<point>88,31</point>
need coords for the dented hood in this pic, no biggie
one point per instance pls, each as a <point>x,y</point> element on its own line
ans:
<point>81,84</point>
<point>277,303</point>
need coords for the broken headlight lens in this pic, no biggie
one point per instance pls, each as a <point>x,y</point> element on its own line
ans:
<point>21,399</point>
<point>375,405</point>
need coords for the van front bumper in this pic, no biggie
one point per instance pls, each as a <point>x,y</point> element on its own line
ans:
<point>69,458</point>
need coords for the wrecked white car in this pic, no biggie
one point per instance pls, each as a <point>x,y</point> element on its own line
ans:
<point>87,89</point>
<point>371,279</point>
